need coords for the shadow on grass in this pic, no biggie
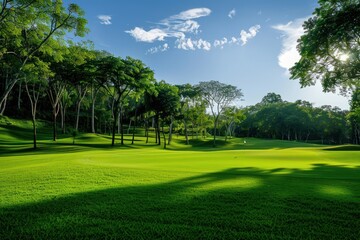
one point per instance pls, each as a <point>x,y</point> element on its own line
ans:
<point>238,203</point>
<point>238,144</point>
<point>343,148</point>
<point>14,149</point>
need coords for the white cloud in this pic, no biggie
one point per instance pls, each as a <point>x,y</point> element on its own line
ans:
<point>245,36</point>
<point>243,39</point>
<point>176,26</point>
<point>221,43</point>
<point>191,14</point>
<point>189,44</point>
<point>291,31</point>
<point>148,36</point>
<point>104,19</point>
<point>160,48</point>
<point>187,26</point>
<point>232,13</point>
<point>259,12</point>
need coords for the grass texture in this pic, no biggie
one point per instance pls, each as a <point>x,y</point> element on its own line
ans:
<point>264,189</point>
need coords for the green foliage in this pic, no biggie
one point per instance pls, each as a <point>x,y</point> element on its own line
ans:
<point>330,47</point>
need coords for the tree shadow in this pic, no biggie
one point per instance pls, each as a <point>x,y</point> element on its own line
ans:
<point>239,144</point>
<point>237,203</point>
<point>343,148</point>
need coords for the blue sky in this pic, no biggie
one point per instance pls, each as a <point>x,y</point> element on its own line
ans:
<point>249,44</point>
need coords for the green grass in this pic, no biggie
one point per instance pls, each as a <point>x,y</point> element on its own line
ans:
<point>263,189</point>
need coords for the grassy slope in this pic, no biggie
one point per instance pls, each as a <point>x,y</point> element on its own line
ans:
<point>261,190</point>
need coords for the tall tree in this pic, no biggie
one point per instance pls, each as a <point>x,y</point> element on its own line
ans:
<point>187,94</point>
<point>36,74</point>
<point>165,102</point>
<point>119,78</point>
<point>218,96</point>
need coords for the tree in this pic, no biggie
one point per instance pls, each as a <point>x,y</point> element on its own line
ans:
<point>27,27</point>
<point>165,102</point>
<point>218,96</point>
<point>119,78</point>
<point>77,72</point>
<point>271,98</point>
<point>188,94</point>
<point>330,47</point>
<point>36,74</point>
<point>354,116</point>
<point>232,116</point>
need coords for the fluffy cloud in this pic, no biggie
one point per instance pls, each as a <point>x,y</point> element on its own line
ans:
<point>104,19</point>
<point>232,13</point>
<point>189,44</point>
<point>148,36</point>
<point>291,31</point>
<point>176,26</point>
<point>245,36</point>
<point>161,48</point>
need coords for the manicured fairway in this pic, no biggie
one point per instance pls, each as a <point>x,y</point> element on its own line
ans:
<point>259,190</point>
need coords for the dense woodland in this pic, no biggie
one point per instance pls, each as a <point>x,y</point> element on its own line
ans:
<point>81,89</point>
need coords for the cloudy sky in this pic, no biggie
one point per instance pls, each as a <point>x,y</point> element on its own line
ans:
<point>249,44</point>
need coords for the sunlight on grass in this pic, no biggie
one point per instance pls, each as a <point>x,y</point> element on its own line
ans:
<point>334,191</point>
<point>263,190</point>
<point>242,183</point>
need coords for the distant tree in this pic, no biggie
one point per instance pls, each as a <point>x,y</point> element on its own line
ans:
<point>354,116</point>
<point>165,102</point>
<point>232,116</point>
<point>218,96</point>
<point>330,47</point>
<point>188,94</point>
<point>271,98</point>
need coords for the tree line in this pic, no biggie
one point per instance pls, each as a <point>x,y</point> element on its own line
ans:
<point>83,89</point>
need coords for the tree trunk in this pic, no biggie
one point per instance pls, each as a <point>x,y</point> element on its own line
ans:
<point>64,121</point>
<point>54,126</point>
<point>34,132</point>
<point>158,130</point>
<point>170,130</point>
<point>93,116</point>
<point>19,97</point>
<point>215,125</point>
<point>121,126</point>
<point>78,105</point>
<point>186,133</point>
<point>147,130</point>
<point>4,97</point>
<point>114,128</point>
<point>134,128</point>
<point>164,136</point>
<point>2,107</point>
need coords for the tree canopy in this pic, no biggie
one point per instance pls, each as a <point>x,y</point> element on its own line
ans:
<point>330,47</point>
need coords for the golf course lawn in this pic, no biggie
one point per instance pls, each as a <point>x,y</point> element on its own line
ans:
<point>264,189</point>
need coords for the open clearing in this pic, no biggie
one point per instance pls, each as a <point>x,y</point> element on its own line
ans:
<point>263,189</point>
